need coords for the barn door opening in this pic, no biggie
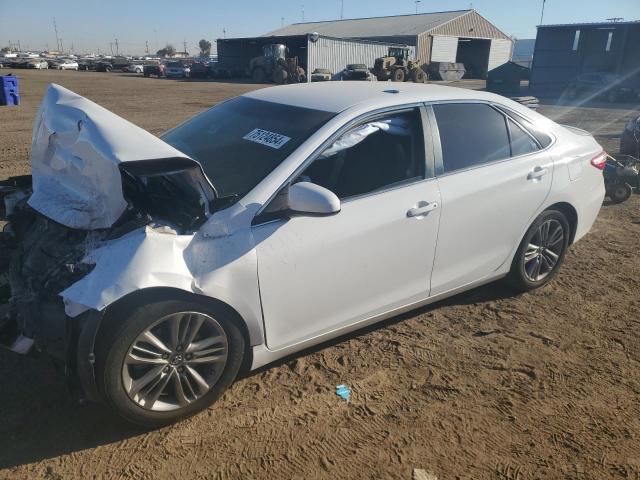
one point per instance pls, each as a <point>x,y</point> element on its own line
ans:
<point>474,53</point>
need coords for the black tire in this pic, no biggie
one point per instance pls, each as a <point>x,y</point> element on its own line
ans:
<point>419,76</point>
<point>619,192</point>
<point>259,75</point>
<point>123,325</point>
<point>398,75</point>
<point>518,279</point>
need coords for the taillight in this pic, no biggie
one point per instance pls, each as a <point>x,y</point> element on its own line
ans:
<point>600,160</point>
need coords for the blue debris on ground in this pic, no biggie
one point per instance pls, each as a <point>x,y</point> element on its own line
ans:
<point>343,391</point>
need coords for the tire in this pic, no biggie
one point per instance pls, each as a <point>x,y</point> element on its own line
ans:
<point>120,338</point>
<point>522,276</point>
<point>259,75</point>
<point>619,192</point>
<point>398,75</point>
<point>419,76</point>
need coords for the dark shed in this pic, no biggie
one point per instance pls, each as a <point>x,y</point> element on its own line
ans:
<point>506,78</point>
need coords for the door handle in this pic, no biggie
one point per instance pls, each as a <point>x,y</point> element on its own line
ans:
<point>422,209</point>
<point>537,172</point>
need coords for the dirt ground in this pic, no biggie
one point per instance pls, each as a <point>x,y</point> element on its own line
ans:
<point>485,385</point>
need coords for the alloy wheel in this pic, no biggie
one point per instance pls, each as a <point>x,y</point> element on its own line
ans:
<point>544,250</point>
<point>175,361</point>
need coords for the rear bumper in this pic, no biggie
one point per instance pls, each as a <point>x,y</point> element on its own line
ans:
<point>589,210</point>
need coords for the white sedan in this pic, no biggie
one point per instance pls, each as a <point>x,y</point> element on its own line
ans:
<point>68,65</point>
<point>275,221</point>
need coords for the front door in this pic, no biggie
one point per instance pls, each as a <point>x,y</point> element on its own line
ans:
<point>320,274</point>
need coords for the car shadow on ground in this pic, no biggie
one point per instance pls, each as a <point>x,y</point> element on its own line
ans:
<point>40,419</point>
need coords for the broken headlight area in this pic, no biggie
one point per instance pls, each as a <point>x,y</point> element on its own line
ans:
<point>40,258</point>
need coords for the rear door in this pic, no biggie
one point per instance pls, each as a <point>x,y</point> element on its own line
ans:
<point>493,176</point>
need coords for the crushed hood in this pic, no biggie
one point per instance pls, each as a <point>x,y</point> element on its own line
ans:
<point>76,152</point>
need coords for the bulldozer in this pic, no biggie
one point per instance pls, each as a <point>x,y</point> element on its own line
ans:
<point>397,67</point>
<point>274,65</point>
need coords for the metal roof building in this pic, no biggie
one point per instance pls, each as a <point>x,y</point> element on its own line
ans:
<point>562,52</point>
<point>462,36</point>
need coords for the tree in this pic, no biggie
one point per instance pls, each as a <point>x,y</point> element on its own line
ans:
<point>8,49</point>
<point>168,51</point>
<point>205,47</point>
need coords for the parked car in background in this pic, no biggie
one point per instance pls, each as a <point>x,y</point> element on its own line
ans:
<point>609,86</point>
<point>68,65</point>
<point>104,66</point>
<point>630,139</point>
<point>199,70</point>
<point>134,68</point>
<point>275,221</point>
<point>87,64</point>
<point>177,70</point>
<point>38,64</point>
<point>156,69</point>
<point>357,71</point>
<point>321,75</point>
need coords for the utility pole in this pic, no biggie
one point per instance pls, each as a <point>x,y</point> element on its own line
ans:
<point>19,47</point>
<point>542,14</point>
<point>55,28</point>
<point>417,2</point>
<point>111,47</point>
<point>302,6</point>
<point>224,33</point>
<point>73,50</point>
<point>184,43</point>
<point>61,46</point>
<point>117,48</point>
<point>341,9</point>
<point>146,47</point>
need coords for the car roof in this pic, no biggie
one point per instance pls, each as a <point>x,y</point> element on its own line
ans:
<point>340,96</point>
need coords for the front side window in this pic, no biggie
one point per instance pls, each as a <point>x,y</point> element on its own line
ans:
<point>375,155</point>
<point>241,141</point>
<point>471,134</point>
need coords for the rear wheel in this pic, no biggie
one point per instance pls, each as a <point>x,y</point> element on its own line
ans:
<point>619,192</point>
<point>167,360</point>
<point>541,252</point>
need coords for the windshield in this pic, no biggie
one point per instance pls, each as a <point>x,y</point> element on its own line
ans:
<point>174,65</point>
<point>239,142</point>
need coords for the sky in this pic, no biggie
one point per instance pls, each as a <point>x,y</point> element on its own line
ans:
<point>92,25</point>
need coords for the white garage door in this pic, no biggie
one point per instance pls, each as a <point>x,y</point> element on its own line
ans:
<point>444,49</point>
<point>500,52</point>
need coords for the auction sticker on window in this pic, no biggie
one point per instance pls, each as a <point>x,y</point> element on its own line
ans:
<point>265,137</point>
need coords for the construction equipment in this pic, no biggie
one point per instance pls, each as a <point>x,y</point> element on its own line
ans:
<point>275,66</point>
<point>397,67</point>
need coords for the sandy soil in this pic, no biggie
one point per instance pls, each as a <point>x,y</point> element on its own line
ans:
<point>484,385</point>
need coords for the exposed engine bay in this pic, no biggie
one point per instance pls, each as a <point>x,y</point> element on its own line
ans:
<point>95,179</point>
<point>40,258</point>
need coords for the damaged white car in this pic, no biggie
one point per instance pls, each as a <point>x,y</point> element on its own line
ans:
<point>270,223</point>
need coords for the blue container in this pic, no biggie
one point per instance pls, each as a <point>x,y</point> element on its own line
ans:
<point>9,91</point>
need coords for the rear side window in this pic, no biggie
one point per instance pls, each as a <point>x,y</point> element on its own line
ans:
<point>471,134</point>
<point>521,141</point>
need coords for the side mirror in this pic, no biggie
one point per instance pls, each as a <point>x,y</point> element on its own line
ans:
<point>309,198</point>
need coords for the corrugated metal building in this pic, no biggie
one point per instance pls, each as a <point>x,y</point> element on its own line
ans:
<point>313,51</point>
<point>562,52</point>
<point>462,36</point>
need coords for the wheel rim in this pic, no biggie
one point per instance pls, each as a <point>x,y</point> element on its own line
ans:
<point>175,361</point>
<point>544,250</point>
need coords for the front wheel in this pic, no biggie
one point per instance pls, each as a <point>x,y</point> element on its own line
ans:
<point>541,252</point>
<point>167,360</point>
